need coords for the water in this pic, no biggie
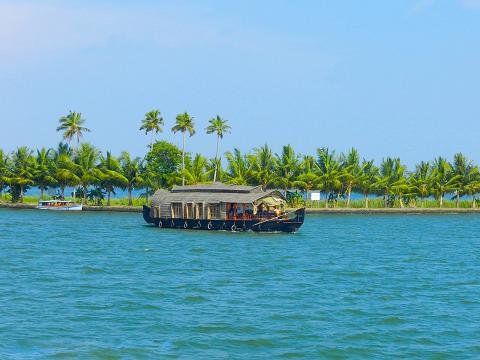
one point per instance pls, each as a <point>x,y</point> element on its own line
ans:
<point>104,286</point>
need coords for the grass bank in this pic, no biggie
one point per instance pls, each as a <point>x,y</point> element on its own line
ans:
<point>357,206</point>
<point>321,210</point>
<point>445,210</point>
<point>377,203</point>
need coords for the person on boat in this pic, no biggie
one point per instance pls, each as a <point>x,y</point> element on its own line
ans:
<point>261,211</point>
<point>276,211</point>
<point>231,211</point>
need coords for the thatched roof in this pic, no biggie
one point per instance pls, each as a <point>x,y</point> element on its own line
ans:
<point>217,187</point>
<point>213,194</point>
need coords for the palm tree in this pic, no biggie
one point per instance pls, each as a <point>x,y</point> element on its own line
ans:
<point>391,178</point>
<point>421,180</point>
<point>43,175</point>
<point>308,178</point>
<point>63,149</point>
<point>64,171</point>
<point>111,174</point>
<point>22,169</point>
<point>366,179</point>
<point>184,123</point>
<point>85,168</point>
<point>238,168</point>
<point>3,172</point>
<point>195,171</point>
<point>466,171</point>
<point>71,125</point>
<point>473,186</point>
<point>350,172</point>
<point>400,189</point>
<point>262,164</point>
<point>329,172</point>
<point>215,167</point>
<point>63,168</point>
<point>287,168</point>
<point>150,179</point>
<point>131,170</point>
<point>152,123</point>
<point>220,127</point>
<point>443,179</point>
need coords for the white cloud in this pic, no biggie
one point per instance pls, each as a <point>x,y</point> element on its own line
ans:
<point>31,31</point>
<point>28,29</point>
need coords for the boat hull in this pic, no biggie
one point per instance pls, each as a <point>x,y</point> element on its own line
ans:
<point>61,208</point>
<point>273,225</point>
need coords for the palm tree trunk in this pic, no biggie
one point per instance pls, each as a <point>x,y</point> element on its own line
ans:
<point>216,156</point>
<point>21,193</point>
<point>151,142</point>
<point>146,194</point>
<point>130,203</point>
<point>474,205</point>
<point>42,191</point>
<point>108,197</point>
<point>349,190</point>
<point>385,199</point>
<point>457,199</point>
<point>366,200</point>
<point>62,191</point>
<point>306,197</point>
<point>84,197</point>
<point>400,201</point>
<point>183,159</point>
<point>421,201</point>
<point>326,199</point>
<point>441,200</point>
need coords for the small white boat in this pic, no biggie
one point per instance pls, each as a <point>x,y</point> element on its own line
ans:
<point>59,205</point>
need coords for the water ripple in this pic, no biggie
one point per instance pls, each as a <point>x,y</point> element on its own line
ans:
<point>104,286</point>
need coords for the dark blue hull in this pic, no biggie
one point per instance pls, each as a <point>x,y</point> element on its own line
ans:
<point>275,225</point>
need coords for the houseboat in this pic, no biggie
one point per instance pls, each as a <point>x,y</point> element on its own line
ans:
<point>59,205</point>
<point>220,206</point>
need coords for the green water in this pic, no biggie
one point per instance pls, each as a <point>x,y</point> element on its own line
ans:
<point>104,286</point>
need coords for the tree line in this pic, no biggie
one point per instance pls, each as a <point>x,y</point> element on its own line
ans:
<point>96,175</point>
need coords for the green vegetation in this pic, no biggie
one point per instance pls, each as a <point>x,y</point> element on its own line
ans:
<point>95,175</point>
<point>184,123</point>
<point>71,125</point>
<point>152,123</point>
<point>219,127</point>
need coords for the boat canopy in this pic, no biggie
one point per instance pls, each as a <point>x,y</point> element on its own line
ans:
<point>271,201</point>
<point>214,201</point>
<point>218,193</point>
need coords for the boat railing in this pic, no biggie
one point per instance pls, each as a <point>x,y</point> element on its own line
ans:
<point>258,216</point>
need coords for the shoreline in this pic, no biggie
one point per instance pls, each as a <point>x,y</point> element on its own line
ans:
<point>136,209</point>
<point>85,207</point>
<point>393,211</point>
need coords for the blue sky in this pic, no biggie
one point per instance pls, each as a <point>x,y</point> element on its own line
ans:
<point>397,78</point>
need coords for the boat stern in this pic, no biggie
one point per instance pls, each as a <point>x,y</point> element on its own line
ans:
<point>146,215</point>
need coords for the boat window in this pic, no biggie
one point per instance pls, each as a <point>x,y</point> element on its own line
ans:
<point>188,211</point>
<point>199,211</point>
<point>177,210</point>
<point>232,210</point>
<point>214,211</point>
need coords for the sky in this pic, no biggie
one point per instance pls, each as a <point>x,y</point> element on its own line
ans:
<point>390,78</point>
